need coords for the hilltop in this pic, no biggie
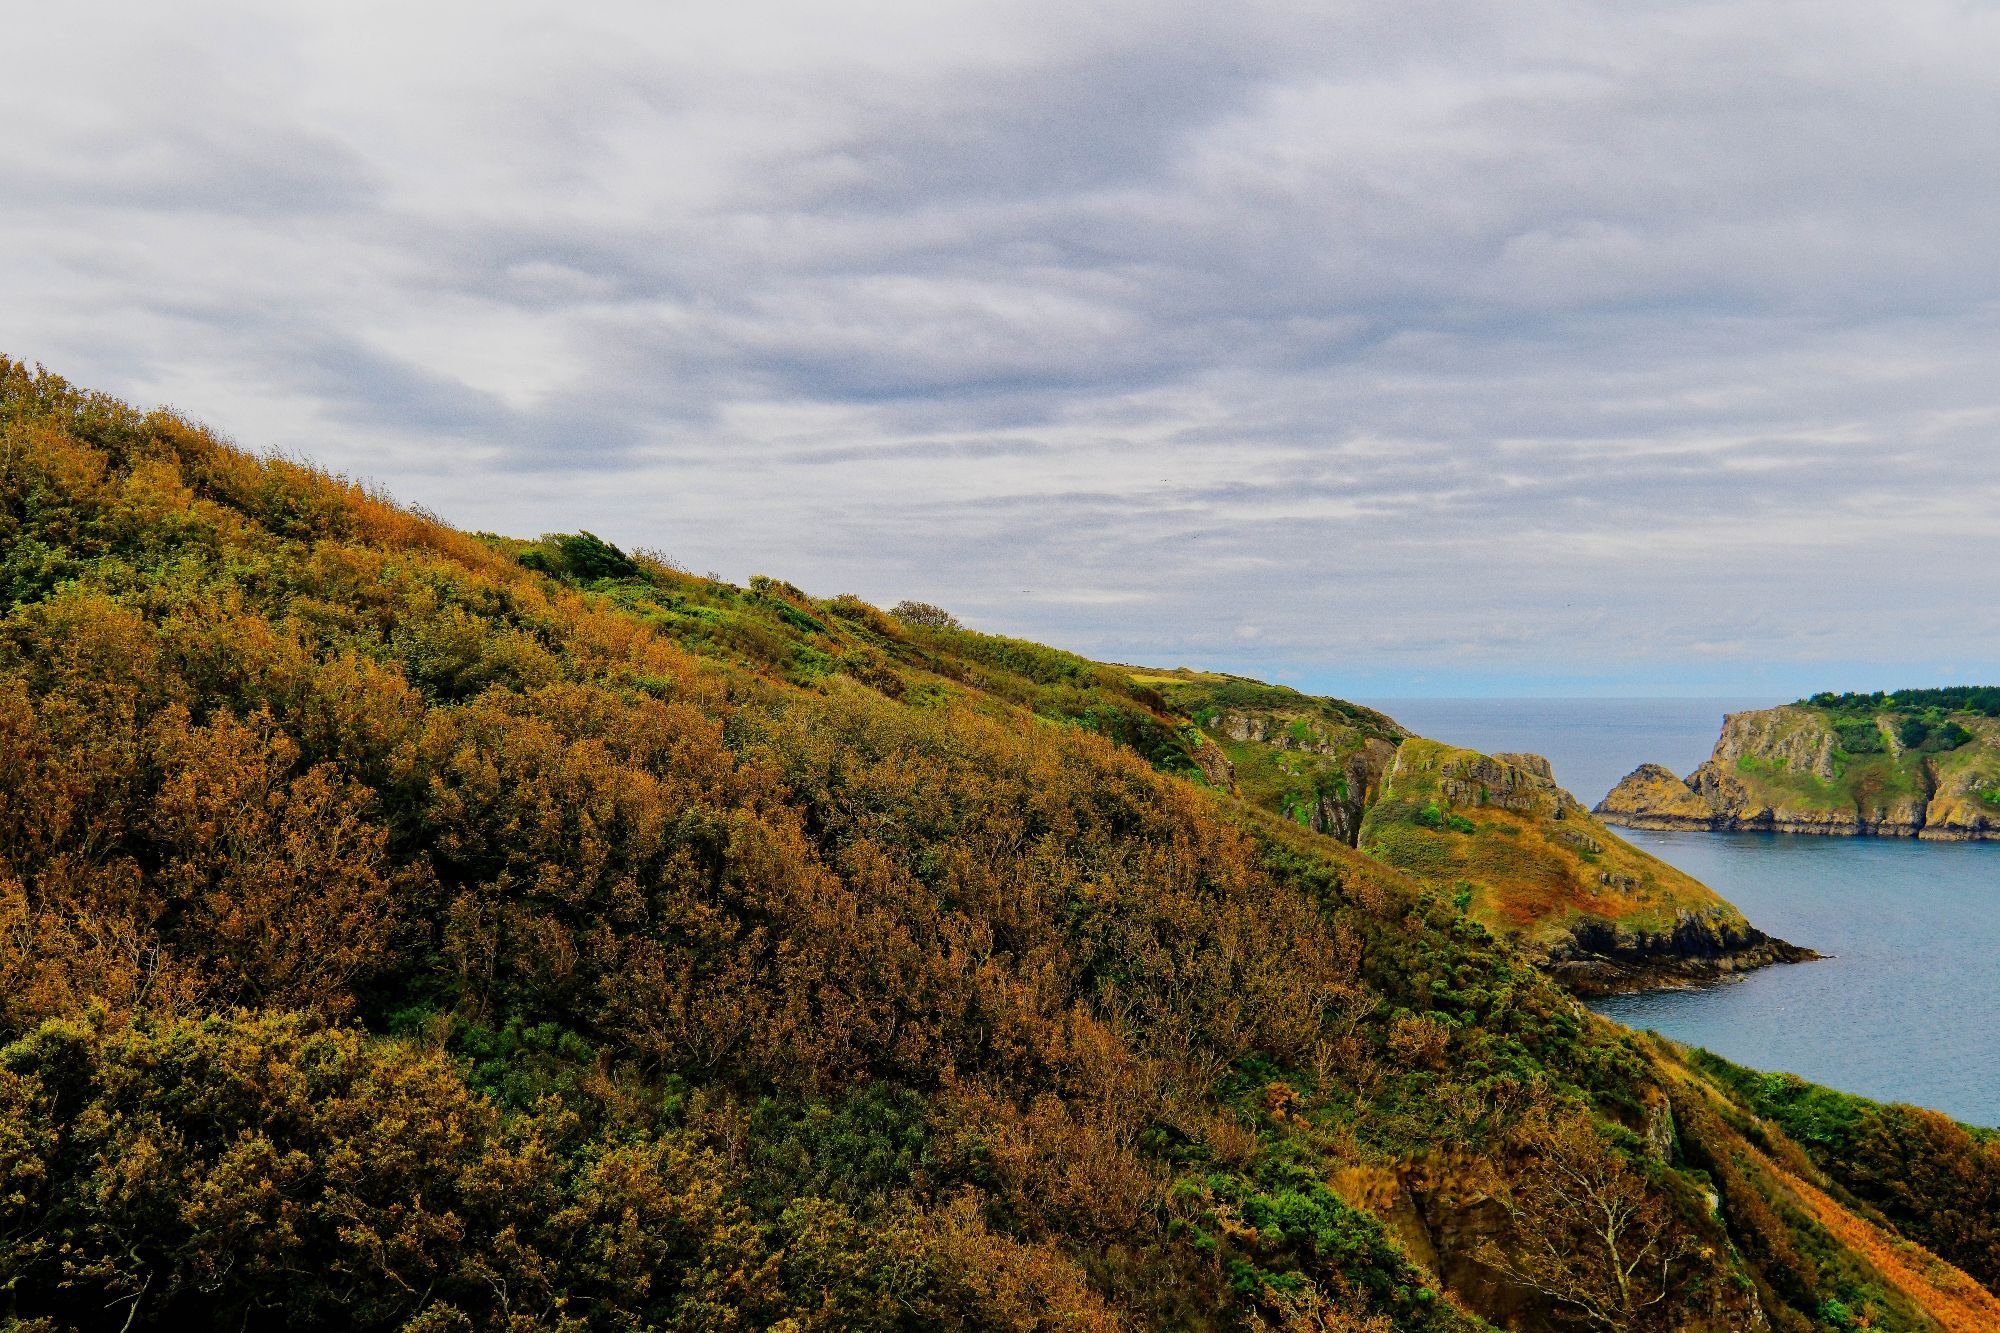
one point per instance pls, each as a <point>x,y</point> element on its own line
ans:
<point>1916,763</point>
<point>403,928</point>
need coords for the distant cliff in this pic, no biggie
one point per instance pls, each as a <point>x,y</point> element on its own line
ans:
<point>1853,766</point>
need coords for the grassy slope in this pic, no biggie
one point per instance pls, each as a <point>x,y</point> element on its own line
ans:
<point>1526,859</point>
<point>403,929</point>
<point>1308,758</point>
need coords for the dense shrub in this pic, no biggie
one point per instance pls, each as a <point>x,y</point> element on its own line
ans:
<point>406,929</point>
<point>1981,699</point>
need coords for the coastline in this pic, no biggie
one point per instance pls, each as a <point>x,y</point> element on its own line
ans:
<point>1768,822</point>
<point>1597,961</point>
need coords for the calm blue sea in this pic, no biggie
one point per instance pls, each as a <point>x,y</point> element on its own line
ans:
<point>1908,1007</point>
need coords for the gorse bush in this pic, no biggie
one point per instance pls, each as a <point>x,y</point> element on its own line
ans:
<point>924,614</point>
<point>352,765</point>
<point>580,555</point>
<point>403,929</point>
<point>1859,736</point>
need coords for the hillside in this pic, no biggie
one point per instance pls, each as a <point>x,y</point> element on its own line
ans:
<point>1919,763</point>
<point>406,929</point>
<point>1314,760</point>
<point>1501,839</point>
<point>1317,762</point>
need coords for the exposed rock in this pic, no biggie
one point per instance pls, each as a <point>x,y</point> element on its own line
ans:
<point>1600,959</point>
<point>1533,763</point>
<point>1963,809</point>
<point>1469,780</point>
<point>1362,761</point>
<point>1652,797</point>
<point>1782,770</point>
<point>1597,913</point>
<point>1215,767</point>
<point>1794,738</point>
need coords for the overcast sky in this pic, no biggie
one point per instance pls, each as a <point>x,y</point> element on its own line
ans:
<point>1387,348</point>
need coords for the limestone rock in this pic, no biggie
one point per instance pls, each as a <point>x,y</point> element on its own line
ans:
<point>1652,797</point>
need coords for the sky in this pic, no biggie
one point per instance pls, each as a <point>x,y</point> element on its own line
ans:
<point>1404,349</point>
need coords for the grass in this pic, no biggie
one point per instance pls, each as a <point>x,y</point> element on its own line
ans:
<point>1528,873</point>
<point>1861,782</point>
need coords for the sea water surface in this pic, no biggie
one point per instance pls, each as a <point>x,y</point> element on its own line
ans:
<point>1907,1008</point>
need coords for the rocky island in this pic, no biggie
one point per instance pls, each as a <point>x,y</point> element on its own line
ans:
<point>1913,764</point>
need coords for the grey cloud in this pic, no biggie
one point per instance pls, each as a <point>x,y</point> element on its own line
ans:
<point>1558,338</point>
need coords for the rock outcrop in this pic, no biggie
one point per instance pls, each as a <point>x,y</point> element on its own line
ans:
<point>1357,762</point>
<point>1702,947</point>
<point>1313,760</point>
<point>1796,769</point>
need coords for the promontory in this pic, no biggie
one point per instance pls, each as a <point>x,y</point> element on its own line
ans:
<point>1915,763</point>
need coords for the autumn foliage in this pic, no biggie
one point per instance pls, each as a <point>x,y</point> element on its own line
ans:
<point>407,929</point>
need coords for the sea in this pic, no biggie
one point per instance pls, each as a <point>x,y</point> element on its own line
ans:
<point>1905,1008</point>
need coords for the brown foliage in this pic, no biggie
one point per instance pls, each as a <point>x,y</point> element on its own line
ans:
<point>243,1170</point>
<point>268,740</point>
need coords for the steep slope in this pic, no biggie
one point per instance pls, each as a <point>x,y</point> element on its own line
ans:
<point>1500,838</point>
<point>1914,764</point>
<point>407,930</point>
<point>1315,760</point>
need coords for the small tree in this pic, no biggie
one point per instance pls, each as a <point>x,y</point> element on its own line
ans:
<point>1588,1231</point>
<point>924,615</point>
<point>589,556</point>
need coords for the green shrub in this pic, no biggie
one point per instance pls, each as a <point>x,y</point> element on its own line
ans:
<point>583,556</point>
<point>1859,736</point>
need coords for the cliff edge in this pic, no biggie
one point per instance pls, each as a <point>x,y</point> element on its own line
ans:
<point>1890,767</point>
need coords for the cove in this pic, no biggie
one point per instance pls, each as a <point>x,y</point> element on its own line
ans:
<point>1908,1007</point>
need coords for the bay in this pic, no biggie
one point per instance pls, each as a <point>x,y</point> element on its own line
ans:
<point>1907,1006</point>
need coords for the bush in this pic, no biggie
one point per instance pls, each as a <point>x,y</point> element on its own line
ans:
<point>924,615</point>
<point>583,556</point>
<point>1859,736</point>
<point>1930,736</point>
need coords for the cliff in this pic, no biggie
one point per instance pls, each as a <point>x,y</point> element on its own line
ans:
<point>1498,836</point>
<point>1805,768</point>
<point>1592,911</point>
<point>1314,760</point>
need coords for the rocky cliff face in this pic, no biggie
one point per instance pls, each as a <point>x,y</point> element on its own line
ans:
<point>1355,762</point>
<point>1965,805</point>
<point>1790,770</point>
<point>1797,739</point>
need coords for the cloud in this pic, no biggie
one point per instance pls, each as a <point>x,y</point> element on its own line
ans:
<point>1559,341</point>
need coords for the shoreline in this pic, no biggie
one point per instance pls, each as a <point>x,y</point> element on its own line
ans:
<point>1602,978</point>
<point>1596,962</point>
<point>1803,828</point>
